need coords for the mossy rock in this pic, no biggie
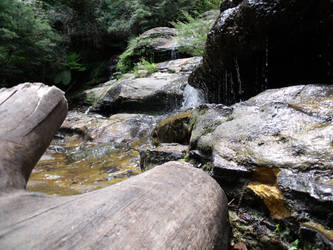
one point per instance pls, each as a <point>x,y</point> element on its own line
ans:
<point>176,128</point>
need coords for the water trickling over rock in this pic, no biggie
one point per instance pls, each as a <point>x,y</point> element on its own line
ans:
<point>255,45</point>
<point>192,97</point>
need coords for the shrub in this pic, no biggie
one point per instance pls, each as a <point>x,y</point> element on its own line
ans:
<point>192,33</point>
<point>28,45</point>
<point>146,66</point>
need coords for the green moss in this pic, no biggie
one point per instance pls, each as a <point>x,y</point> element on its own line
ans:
<point>171,71</point>
<point>208,167</point>
<point>211,128</point>
<point>144,68</point>
<point>92,98</point>
<point>137,50</point>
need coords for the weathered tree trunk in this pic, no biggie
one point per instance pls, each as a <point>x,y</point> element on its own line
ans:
<point>173,206</point>
<point>30,115</point>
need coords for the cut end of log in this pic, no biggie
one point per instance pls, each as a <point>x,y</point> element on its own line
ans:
<point>31,114</point>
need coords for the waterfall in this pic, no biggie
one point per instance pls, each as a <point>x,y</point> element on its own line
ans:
<point>240,91</point>
<point>192,97</point>
<point>264,87</point>
<point>174,53</point>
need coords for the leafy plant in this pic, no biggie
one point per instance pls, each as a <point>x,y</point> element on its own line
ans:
<point>28,44</point>
<point>192,33</point>
<point>295,245</point>
<point>125,64</point>
<point>146,66</point>
<point>124,17</point>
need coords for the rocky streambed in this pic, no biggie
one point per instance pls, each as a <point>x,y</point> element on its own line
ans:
<point>100,145</point>
<point>271,149</point>
<point>272,154</point>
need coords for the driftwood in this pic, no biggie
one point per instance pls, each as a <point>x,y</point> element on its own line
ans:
<point>30,115</point>
<point>173,206</point>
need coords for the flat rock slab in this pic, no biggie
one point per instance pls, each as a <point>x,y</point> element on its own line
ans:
<point>173,206</point>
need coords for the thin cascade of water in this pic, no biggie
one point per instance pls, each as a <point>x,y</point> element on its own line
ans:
<point>328,61</point>
<point>240,90</point>
<point>174,53</point>
<point>192,97</point>
<point>88,110</point>
<point>266,65</point>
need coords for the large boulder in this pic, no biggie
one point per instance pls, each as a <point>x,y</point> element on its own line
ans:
<point>173,206</point>
<point>255,45</point>
<point>274,152</point>
<point>31,113</point>
<point>160,92</point>
<point>155,45</point>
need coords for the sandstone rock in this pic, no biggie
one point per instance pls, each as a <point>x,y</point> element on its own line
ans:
<point>279,146</point>
<point>255,45</point>
<point>91,152</point>
<point>118,128</point>
<point>155,210</point>
<point>31,113</point>
<point>151,157</point>
<point>156,45</point>
<point>162,91</point>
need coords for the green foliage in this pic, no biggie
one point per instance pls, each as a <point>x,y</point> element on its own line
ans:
<point>62,41</point>
<point>125,64</point>
<point>63,77</point>
<point>133,17</point>
<point>28,45</point>
<point>72,62</point>
<point>192,33</point>
<point>147,68</point>
<point>208,167</point>
<point>295,245</point>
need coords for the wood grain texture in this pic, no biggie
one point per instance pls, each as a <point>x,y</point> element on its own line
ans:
<point>173,206</point>
<point>30,115</point>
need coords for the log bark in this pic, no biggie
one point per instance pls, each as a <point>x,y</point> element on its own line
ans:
<point>30,115</point>
<point>173,206</point>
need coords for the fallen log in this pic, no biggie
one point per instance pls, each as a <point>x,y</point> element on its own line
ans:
<point>173,206</point>
<point>30,115</point>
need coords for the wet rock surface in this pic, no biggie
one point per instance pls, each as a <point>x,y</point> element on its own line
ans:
<point>176,128</point>
<point>154,156</point>
<point>256,45</point>
<point>91,152</point>
<point>162,91</point>
<point>275,150</point>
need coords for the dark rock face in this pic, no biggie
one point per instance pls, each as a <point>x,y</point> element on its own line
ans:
<point>151,157</point>
<point>176,128</point>
<point>274,153</point>
<point>257,44</point>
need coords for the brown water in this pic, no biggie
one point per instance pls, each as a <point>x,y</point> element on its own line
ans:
<point>81,167</point>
